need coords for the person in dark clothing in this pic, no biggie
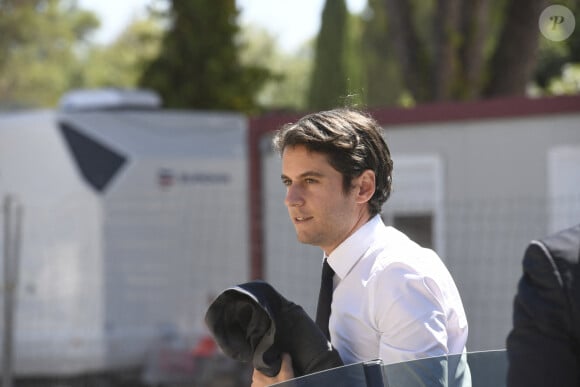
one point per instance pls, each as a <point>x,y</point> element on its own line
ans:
<point>543,346</point>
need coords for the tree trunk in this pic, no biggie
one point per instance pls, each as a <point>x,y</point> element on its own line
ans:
<point>446,36</point>
<point>514,59</point>
<point>408,48</point>
<point>474,27</point>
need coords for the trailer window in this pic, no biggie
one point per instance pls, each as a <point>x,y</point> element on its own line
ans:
<point>417,227</point>
<point>97,163</point>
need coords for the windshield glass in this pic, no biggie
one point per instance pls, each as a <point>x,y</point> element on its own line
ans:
<point>473,369</point>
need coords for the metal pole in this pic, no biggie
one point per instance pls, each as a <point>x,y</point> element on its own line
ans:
<point>11,263</point>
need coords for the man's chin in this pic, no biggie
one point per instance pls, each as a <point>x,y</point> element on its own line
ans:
<point>305,239</point>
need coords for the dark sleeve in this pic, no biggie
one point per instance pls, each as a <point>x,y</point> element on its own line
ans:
<point>252,322</point>
<point>539,347</point>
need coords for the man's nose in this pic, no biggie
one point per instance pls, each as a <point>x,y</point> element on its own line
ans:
<point>294,196</point>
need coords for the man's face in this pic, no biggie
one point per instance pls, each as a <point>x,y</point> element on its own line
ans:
<point>322,214</point>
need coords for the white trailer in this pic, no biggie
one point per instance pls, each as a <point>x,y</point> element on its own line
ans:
<point>132,217</point>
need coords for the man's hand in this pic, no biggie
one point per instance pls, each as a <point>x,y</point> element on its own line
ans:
<point>286,372</point>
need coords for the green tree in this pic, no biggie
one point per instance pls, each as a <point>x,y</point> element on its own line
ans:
<point>199,62</point>
<point>328,82</point>
<point>451,49</point>
<point>121,63</point>
<point>355,69</point>
<point>286,90</point>
<point>567,83</point>
<point>382,82</point>
<point>512,63</point>
<point>39,42</point>
<point>558,62</point>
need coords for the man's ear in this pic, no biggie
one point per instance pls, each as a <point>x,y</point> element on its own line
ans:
<point>365,186</point>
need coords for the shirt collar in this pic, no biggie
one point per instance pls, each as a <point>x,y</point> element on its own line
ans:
<point>351,250</point>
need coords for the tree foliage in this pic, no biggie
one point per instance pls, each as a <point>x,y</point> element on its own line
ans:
<point>450,59</point>
<point>39,40</point>
<point>455,50</point>
<point>199,63</point>
<point>381,83</point>
<point>513,61</point>
<point>120,63</point>
<point>557,62</point>
<point>328,82</point>
<point>397,51</point>
<point>286,89</point>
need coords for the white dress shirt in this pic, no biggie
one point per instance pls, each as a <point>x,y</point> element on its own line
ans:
<point>393,299</point>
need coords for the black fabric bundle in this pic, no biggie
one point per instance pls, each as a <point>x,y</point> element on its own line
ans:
<point>252,322</point>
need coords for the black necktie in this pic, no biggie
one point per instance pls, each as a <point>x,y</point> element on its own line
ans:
<point>325,298</point>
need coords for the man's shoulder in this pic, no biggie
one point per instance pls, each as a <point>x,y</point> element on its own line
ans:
<point>562,245</point>
<point>395,247</point>
<point>552,261</point>
<point>395,239</point>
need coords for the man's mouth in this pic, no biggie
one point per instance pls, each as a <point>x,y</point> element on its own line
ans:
<point>302,218</point>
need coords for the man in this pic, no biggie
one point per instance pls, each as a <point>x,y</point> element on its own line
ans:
<point>544,345</point>
<point>392,299</point>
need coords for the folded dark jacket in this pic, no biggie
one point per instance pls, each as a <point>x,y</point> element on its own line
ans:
<point>254,323</point>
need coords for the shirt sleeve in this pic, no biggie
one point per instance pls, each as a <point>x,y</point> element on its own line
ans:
<point>410,315</point>
<point>540,350</point>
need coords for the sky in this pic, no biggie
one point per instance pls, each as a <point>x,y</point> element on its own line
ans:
<point>291,22</point>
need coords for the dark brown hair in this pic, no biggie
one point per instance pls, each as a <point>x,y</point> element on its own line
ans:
<point>353,142</point>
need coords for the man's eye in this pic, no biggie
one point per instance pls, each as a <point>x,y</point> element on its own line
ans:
<point>310,181</point>
<point>286,182</point>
